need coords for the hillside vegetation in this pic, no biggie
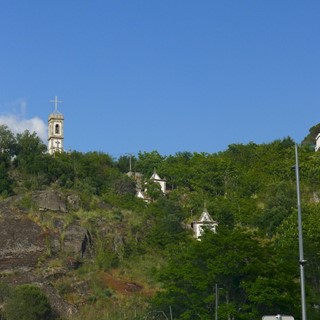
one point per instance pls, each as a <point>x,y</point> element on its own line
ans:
<point>110,255</point>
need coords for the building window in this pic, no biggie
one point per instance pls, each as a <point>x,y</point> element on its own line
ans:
<point>57,129</point>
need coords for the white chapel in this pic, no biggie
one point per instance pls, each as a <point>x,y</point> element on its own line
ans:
<point>317,142</point>
<point>142,194</point>
<point>162,182</point>
<point>55,129</point>
<point>204,223</point>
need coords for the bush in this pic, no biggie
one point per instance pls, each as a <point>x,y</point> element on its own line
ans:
<point>5,292</point>
<point>27,302</point>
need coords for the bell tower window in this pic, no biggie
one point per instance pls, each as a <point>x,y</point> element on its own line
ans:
<point>57,129</point>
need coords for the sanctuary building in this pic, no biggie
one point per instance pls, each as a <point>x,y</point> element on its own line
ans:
<point>204,223</point>
<point>317,142</point>
<point>55,129</point>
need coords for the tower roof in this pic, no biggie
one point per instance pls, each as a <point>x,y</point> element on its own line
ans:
<point>57,116</point>
<point>155,176</point>
<point>205,216</point>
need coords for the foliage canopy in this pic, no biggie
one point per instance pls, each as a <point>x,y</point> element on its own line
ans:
<point>249,189</point>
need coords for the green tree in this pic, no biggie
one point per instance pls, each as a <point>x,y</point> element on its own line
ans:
<point>176,169</point>
<point>31,156</point>
<point>7,151</point>
<point>123,185</point>
<point>279,200</point>
<point>61,169</point>
<point>310,139</point>
<point>241,263</point>
<point>148,161</point>
<point>288,251</point>
<point>210,173</point>
<point>7,142</point>
<point>5,180</point>
<point>153,190</point>
<point>27,302</point>
<point>124,163</point>
<point>93,169</point>
<point>165,223</point>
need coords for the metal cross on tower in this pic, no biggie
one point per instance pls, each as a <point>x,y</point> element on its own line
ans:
<point>56,101</point>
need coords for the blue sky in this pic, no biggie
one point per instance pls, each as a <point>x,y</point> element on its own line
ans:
<point>170,76</point>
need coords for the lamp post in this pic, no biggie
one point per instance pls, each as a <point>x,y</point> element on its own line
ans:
<point>130,161</point>
<point>216,302</point>
<point>301,258</point>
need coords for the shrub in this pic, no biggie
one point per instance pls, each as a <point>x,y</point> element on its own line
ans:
<point>27,302</point>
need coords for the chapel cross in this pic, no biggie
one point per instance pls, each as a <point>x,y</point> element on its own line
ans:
<point>55,101</point>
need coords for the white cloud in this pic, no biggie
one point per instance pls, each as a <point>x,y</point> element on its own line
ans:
<point>18,123</point>
<point>17,107</point>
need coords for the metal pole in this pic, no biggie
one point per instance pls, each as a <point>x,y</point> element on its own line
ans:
<point>301,258</point>
<point>217,303</point>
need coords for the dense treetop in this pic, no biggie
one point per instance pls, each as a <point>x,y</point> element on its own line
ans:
<point>249,189</point>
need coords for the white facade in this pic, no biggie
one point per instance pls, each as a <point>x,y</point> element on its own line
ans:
<point>317,142</point>
<point>163,183</point>
<point>141,195</point>
<point>142,186</point>
<point>205,223</point>
<point>55,129</point>
<point>55,133</point>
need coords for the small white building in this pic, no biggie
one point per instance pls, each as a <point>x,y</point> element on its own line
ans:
<point>204,223</point>
<point>317,142</point>
<point>163,183</point>
<point>55,129</point>
<point>141,195</point>
<point>138,177</point>
<point>142,187</point>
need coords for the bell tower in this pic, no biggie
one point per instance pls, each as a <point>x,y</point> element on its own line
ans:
<point>55,129</point>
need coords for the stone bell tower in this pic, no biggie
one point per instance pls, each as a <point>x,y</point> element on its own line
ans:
<point>55,129</point>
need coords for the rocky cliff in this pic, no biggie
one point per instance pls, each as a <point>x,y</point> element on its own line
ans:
<point>31,238</point>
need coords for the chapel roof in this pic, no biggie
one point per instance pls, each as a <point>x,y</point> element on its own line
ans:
<point>155,176</point>
<point>205,216</point>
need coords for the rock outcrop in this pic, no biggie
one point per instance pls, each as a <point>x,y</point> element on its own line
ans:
<point>50,200</point>
<point>30,239</point>
<point>22,241</point>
